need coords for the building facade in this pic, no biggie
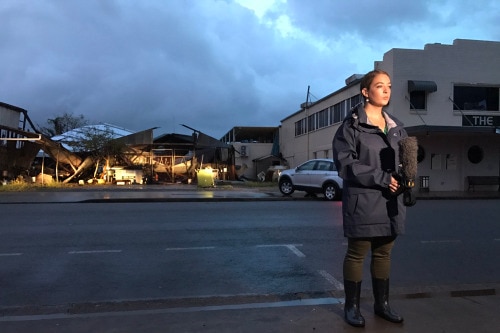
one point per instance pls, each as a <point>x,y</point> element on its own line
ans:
<point>446,95</point>
<point>18,145</point>
<point>256,150</point>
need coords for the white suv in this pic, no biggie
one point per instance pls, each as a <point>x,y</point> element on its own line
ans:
<point>313,176</point>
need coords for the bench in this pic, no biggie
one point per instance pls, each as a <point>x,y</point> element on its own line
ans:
<point>482,180</point>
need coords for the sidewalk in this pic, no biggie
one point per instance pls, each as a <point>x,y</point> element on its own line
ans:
<point>184,192</point>
<point>429,315</point>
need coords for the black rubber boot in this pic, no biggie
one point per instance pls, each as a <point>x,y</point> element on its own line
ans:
<point>381,306</point>
<point>352,312</point>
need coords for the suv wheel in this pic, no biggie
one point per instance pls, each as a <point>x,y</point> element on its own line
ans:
<point>286,186</point>
<point>331,191</point>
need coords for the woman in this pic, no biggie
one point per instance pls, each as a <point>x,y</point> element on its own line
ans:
<point>365,150</point>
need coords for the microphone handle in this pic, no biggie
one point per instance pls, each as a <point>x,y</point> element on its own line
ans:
<point>409,198</point>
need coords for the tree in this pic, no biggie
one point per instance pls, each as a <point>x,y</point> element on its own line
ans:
<point>99,144</point>
<point>62,124</point>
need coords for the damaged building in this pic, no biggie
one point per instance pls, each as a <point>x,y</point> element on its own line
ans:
<point>139,157</point>
<point>178,157</point>
<point>18,142</point>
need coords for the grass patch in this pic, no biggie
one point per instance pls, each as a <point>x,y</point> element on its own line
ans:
<point>26,187</point>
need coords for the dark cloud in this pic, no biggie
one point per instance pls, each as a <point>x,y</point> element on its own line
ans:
<point>366,18</point>
<point>208,64</point>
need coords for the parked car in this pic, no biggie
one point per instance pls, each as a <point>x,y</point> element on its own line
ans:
<point>313,176</point>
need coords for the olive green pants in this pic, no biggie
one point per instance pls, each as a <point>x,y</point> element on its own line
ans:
<point>357,249</point>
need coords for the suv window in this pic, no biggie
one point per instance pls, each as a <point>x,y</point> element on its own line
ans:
<point>324,166</point>
<point>307,166</point>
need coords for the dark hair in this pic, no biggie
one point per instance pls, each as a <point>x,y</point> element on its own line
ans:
<point>367,80</point>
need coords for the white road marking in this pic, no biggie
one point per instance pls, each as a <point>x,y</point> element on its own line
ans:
<point>94,251</point>
<point>294,249</point>
<point>189,248</point>
<point>300,302</point>
<point>291,247</point>
<point>441,241</point>
<point>336,283</point>
<point>10,254</point>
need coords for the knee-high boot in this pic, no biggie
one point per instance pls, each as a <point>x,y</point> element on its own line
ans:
<point>352,312</point>
<point>381,306</point>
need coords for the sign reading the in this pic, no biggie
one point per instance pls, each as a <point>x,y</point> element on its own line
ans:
<point>480,121</point>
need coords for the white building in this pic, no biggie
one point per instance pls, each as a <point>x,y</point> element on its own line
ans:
<point>256,150</point>
<point>446,95</point>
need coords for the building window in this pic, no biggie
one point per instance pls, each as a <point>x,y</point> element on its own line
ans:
<point>326,117</point>
<point>300,127</point>
<point>311,123</point>
<point>344,108</point>
<point>418,93</point>
<point>420,154</point>
<point>475,154</point>
<point>418,100</point>
<point>355,100</point>
<point>323,118</point>
<point>475,98</point>
<point>340,110</point>
<point>337,114</point>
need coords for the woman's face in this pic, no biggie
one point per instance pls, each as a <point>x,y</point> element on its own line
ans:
<point>379,92</point>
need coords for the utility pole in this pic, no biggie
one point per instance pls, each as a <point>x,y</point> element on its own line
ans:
<point>307,120</point>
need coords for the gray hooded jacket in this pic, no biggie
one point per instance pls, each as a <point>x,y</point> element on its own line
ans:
<point>366,158</point>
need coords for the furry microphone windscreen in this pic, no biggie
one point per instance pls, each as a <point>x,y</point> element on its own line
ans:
<point>408,149</point>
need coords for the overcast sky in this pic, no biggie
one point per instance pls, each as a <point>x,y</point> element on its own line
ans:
<point>209,64</point>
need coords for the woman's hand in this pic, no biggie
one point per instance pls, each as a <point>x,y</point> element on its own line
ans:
<point>394,185</point>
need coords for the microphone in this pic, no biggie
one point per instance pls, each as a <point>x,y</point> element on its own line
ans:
<point>407,171</point>
<point>408,150</point>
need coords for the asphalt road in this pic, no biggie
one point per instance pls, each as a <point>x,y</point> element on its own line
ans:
<point>139,254</point>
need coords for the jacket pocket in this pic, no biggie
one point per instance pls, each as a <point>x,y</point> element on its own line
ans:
<point>367,207</point>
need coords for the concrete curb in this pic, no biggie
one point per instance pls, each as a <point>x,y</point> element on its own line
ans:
<point>223,302</point>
